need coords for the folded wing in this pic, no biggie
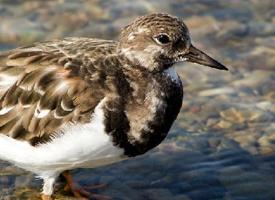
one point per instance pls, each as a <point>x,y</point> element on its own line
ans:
<point>42,88</point>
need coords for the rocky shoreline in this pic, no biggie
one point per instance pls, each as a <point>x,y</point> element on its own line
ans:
<point>223,142</point>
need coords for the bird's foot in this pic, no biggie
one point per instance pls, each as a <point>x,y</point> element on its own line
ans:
<point>83,192</point>
<point>46,197</point>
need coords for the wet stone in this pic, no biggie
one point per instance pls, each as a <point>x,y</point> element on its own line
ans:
<point>222,145</point>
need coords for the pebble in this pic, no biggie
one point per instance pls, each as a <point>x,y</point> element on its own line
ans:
<point>254,79</point>
<point>222,143</point>
<point>217,91</point>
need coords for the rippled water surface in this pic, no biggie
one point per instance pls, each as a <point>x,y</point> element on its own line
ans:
<point>223,142</point>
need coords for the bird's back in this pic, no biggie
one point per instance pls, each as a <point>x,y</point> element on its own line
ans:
<point>48,84</point>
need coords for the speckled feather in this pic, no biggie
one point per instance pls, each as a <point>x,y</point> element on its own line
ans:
<point>52,83</point>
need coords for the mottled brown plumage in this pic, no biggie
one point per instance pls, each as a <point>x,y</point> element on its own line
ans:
<point>52,76</point>
<point>96,90</point>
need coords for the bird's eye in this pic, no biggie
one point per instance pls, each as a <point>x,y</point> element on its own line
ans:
<point>162,39</point>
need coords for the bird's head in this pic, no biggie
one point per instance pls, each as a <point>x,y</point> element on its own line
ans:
<point>158,41</point>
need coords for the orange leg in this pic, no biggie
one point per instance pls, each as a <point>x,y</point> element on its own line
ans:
<point>82,192</point>
<point>46,197</point>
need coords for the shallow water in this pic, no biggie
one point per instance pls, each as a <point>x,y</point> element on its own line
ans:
<point>223,142</point>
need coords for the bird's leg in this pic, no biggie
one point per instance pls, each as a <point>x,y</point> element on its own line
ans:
<point>74,187</point>
<point>48,187</point>
<point>81,192</point>
<point>46,197</point>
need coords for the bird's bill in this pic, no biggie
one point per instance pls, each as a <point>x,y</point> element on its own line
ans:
<point>197,56</point>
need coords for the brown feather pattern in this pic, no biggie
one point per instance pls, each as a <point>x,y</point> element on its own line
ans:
<point>49,85</point>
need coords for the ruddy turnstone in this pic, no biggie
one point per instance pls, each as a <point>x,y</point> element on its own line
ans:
<point>85,103</point>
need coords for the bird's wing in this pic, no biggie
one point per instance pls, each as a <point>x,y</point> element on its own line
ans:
<point>45,86</point>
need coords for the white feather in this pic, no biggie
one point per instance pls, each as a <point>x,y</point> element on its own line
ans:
<point>81,145</point>
<point>41,113</point>
<point>6,110</point>
<point>172,74</point>
<point>6,80</point>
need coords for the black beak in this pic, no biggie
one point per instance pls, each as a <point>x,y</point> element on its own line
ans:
<point>197,56</point>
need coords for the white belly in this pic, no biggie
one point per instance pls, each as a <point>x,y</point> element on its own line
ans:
<point>85,145</point>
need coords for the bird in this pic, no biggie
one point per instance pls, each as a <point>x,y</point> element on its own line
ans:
<point>86,102</point>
